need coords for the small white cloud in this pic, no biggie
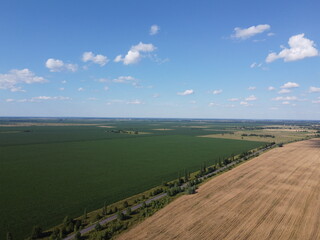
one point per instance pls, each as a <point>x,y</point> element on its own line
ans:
<point>284,91</point>
<point>314,89</point>
<point>286,103</point>
<point>156,95</point>
<point>64,81</point>
<point>56,65</point>
<point>271,88</point>
<point>134,54</point>
<point>244,103</point>
<point>80,89</point>
<point>92,99</point>
<point>106,88</point>
<point>45,98</point>
<point>124,79</point>
<point>135,102</point>
<point>9,100</point>
<point>61,89</point>
<point>289,98</point>
<point>186,92</point>
<point>252,88</point>
<point>270,34</point>
<point>233,99</point>
<point>216,92</point>
<point>290,85</point>
<point>251,98</point>
<point>154,29</point>
<point>212,104</point>
<point>250,32</point>
<point>299,48</point>
<point>316,101</point>
<point>12,80</point>
<point>256,65</point>
<point>98,59</point>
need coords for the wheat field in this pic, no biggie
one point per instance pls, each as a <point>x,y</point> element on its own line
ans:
<point>274,196</point>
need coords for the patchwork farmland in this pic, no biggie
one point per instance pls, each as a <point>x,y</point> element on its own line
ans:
<point>50,169</point>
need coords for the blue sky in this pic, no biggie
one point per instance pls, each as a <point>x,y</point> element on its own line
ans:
<point>179,59</point>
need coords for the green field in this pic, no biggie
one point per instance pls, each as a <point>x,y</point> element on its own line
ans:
<point>47,173</point>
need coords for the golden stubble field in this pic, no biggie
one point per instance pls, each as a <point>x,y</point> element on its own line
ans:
<point>274,196</point>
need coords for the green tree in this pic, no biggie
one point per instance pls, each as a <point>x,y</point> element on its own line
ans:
<point>98,227</point>
<point>120,216</point>
<point>36,232</point>
<point>104,209</point>
<point>9,236</point>
<point>129,211</point>
<point>85,214</point>
<point>125,204</point>
<point>77,236</point>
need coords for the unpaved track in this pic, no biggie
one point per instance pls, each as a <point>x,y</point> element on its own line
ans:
<point>274,196</point>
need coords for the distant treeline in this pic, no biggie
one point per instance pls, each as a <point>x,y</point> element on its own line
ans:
<point>257,135</point>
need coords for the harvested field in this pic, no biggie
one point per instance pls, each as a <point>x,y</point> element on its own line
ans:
<point>274,196</point>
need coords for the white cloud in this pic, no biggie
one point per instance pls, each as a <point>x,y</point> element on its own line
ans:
<point>186,92</point>
<point>256,65</point>
<point>61,89</point>
<point>154,29</point>
<point>98,59</point>
<point>11,80</point>
<point>156,95</point>
<point>250,32</point>
<point>251,98</point>
<point>41,99</point>
<point>92,99</point>
<point>56,65</point>
<point>212,104</point>
<point>106,88</point>
<point>134,54</point>
<point>244,103</point>
<point>285,90</point>
<point>299,48</point>
<point>290,85</point>
<point>252,88</point>
<point>270,34</point>
<point>124,79</point>
<point>314,90</point>
<point>316,101</point>
<point>80,89</point>
<point>233,99</point>
<point>289,98</point>
<point>135,102</point>
<point>216,92</point>
<point>271,88</point>
<point>286,103</point>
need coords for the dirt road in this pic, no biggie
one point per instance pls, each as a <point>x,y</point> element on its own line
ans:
<point>274,196</point>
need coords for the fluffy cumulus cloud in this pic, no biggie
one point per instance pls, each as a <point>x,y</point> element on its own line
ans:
<point>97,59</point>
<point>186,92</point>
<point>314,89</point>
<point>15,77</point>
<point>289,98</point>
<point>56,65</point>
<point>284,90</point>
<point>124,79</point>
<point>244,33</point>
<point>154,29</point>
<point>251,98</point>
<point>134,55</point>
<point>216,92</point>
<point>289,85</point>
<point>299,48</point>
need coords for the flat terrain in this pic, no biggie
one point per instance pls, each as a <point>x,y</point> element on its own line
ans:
<point>274,196</point>
<point>48,172</point>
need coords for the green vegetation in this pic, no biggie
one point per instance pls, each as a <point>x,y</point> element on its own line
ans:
<point>48,172</point>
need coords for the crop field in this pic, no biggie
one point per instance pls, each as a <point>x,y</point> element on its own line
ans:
<point>274,196</point>
<point>50,169</point>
